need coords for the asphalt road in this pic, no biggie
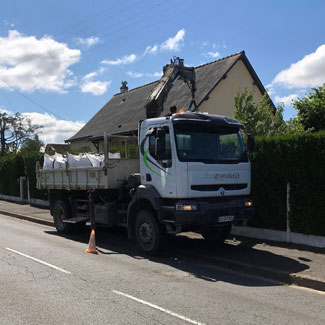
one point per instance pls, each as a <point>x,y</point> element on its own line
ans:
<point>49,279</point>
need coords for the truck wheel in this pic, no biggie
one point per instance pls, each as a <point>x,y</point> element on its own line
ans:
<point>61,212</point>
<point>216,234</point>
<point>147,232</point>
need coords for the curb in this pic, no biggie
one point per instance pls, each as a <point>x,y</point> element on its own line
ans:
<point>264,272</point>
<point>291,279</point>
<point>27,218</point>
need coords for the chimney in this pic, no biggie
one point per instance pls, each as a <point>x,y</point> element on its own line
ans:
<point>124,87</point>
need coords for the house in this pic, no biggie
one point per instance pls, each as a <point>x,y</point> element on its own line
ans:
<point>56,147</point>
<point>217,83</point>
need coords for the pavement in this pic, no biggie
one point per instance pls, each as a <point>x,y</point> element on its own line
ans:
<point>286,263</point>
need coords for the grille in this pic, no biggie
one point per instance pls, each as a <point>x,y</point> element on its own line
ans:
<point>216,187</point>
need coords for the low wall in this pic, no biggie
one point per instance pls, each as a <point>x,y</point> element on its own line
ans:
<point>280,236</point>
<point>31,201</point>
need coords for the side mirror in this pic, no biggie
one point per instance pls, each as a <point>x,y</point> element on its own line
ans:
<point>250,142</point>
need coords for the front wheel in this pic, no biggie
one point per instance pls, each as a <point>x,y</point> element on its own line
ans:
<point>61,212</point>
<point>147,232</point>
<point>216,234</point>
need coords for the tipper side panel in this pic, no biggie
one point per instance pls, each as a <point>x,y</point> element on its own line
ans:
<point>110,177</point>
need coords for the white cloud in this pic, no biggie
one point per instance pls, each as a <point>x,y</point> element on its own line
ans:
<point>93,74</point>
<point>174,43</point>
<point>151,49</point>
<point>135,74</point>
<point>286,100</point>
<point>127,59</point>
<point>89,41</point>
<point>213,54</point>
<point>204,44</point>
<point>54,130</point>
<point>89,76</point>
<point>155,74</point>
<point>140,74</point>
<point>30,64</point>
<point>95,87</point>
<point>308,72</point>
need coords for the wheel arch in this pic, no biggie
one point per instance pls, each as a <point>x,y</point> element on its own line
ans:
<point>141,204</point>
<point>145,197</point>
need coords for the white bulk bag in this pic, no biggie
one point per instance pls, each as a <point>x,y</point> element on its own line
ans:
<point>96,160</point>
<point>48,161</point>
<point>78,161</point>
<point>59,161</point>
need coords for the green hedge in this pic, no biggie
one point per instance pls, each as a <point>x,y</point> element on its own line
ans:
<point>16,165</point>
<point>11,168</point>
<point>300,160</point>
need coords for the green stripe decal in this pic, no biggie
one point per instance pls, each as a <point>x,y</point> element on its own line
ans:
<point>146,163</point>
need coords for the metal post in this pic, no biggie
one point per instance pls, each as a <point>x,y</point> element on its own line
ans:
<point>288,213</point>
<point>105,149</point>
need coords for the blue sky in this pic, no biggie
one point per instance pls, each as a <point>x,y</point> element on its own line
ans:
<point>61,61</point>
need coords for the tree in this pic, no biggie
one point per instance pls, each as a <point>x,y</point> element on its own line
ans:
<point>14,129</point>
<point>260,119</point>
<point>311,109</point>
<point>32,144</point>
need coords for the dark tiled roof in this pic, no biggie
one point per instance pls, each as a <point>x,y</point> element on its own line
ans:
<point>122,113</point>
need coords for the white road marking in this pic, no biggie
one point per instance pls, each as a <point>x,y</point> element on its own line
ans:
<point>159,308</point>
<point>39,261</point>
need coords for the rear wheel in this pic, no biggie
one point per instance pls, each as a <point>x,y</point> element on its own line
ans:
<point>147,232</point>
<point>216,234</point>
<point>61,212</point>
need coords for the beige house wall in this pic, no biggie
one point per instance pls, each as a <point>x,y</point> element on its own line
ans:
<point>221,99</point>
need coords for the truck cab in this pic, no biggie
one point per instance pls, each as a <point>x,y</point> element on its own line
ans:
<point>195,172</point>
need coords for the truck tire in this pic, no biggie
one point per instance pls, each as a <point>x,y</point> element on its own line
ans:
<point>147,232</point>
<point>61,211</point>
<point>216,234</point>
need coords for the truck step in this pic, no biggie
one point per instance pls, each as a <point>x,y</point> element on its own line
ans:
<point>76,219</point>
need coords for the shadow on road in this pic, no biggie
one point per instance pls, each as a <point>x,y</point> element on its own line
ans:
<point>200,258</point>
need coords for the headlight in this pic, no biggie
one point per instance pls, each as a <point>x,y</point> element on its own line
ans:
<point>187,207</point>
<point>248,204</point>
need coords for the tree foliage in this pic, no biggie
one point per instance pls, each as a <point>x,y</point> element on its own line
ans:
<point>311,109</point>
<point>261,119</point>
<point>14,130</point>
<point>32,144</point>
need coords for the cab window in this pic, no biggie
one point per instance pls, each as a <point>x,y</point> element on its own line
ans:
<point>160,149</point>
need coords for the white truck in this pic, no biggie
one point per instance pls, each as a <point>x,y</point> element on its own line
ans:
<point>192,173</point>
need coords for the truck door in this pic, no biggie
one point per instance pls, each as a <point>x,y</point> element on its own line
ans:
<point>158,161</point>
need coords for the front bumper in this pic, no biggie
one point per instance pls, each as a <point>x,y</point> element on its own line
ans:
<point>210,212</point>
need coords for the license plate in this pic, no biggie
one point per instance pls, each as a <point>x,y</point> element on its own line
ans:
<point>226,218</point>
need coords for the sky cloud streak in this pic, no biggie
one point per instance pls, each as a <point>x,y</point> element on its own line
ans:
<point>127,59</point>
<point>174,43</point>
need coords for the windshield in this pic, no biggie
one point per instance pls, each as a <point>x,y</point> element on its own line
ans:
<point>209,144</point>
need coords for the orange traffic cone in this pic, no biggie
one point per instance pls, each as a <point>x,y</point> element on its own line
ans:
<point>92,243</point>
